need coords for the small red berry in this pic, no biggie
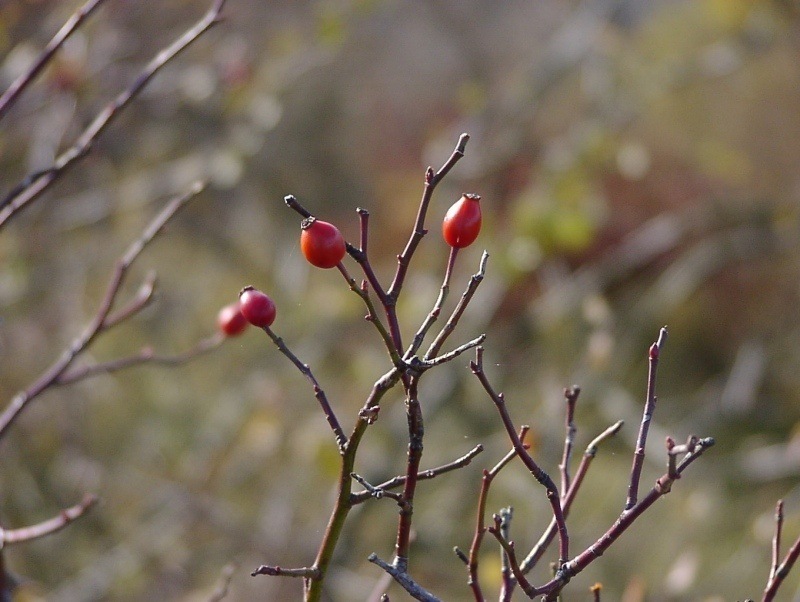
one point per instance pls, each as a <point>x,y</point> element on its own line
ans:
<point>230,320</point>
<point>462,222</point>
<point>257,307</point>
<point>322,243</point>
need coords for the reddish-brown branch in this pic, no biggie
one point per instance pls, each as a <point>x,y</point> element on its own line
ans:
<point>102,319</point>
<point>778,572</point>
<point>480,528</point>
<point>540,475</point>
<point>541,546</point>
<point>34,185</point>
<point>647,415</point>
<point>431,181</point>
<point>16,88</point>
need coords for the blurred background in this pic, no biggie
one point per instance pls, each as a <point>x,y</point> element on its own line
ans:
<point>637,161</point>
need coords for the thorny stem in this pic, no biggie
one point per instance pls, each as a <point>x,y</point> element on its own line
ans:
<point>571,397</point>
<point>540,475</point>
<point>10,96</point>
<point>647,415</point>
<point>330,415</point>
<point>458,311</point>
<point>34,185</point>
<point>102,320</point>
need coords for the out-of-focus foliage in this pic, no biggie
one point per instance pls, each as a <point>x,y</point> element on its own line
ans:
<point>638,166</point>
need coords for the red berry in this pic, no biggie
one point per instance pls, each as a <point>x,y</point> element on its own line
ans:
<point>462,223</point>
<point>257,307</point>
<point>322,243</point>
<point>230,320</point>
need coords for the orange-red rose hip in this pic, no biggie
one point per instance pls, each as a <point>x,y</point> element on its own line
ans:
<point>462,222</point>
<point>321,243</point>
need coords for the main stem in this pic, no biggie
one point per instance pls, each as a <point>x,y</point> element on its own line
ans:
<point>415,435</point>
<point>344,500</point>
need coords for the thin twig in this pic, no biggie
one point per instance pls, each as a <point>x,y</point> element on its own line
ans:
<point>414,589</point>
<point>10,96</point>
<point>29,190</point>
<point>276,571</point>
<point>330,416</point>
<point>472,560</point>
<point>540,475</point>
<point>431,181</point>
<point>780,572</point>
<point>458,311</point>
<point>361,496</point>
<point>647,415</point>
<point>511,557</point>
<point>776,540</point>
<point>145,356</point>
<point>416,432</point>
<point>451,355</point>
<point>571,398</point>
<point>433,315</point>
<point>101,320</point>
<point>64,518</point>
<point>541,546</point>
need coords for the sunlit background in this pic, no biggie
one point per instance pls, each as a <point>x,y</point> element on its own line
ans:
<point>638,163</point>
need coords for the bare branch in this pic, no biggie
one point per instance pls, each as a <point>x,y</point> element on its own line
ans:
<point>10,96</point>
<point>466,297</point>
<point>412,587</point>
<point>34,185</point>
<point>647,415</point>
<point>101,320</point>
<point>361,496</point>
<point>64,518</point>
<point>330,416</point>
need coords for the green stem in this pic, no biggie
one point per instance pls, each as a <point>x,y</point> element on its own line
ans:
<point>344,499</point>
